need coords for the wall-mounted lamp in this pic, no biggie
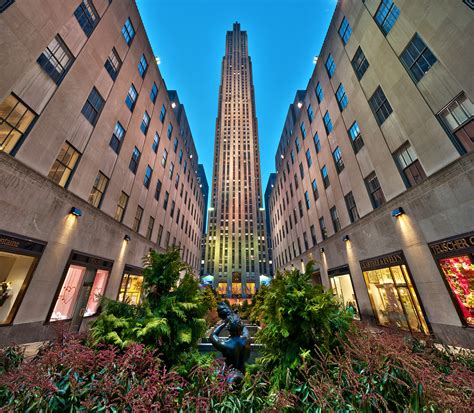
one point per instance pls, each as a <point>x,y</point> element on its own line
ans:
<point>282,156</point>
<point>321,250</point>
<point>76,212</point>
<point>345,238</point>
<point>126,237</point>
<point>397,212</point>
<point>173,105</point>
<point>300,105</point>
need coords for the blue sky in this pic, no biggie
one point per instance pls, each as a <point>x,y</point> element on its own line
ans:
<point>189,38</point>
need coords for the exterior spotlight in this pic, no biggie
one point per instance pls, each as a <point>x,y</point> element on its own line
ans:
<point>173,105</point>
<point>76,212</point>
<point>126,237</point>
<point>300,105</point>
<point>191,156</point>
<point>345,238</point>
<point>282,156</point>
<point>397,212</point>
<point>321,250</point>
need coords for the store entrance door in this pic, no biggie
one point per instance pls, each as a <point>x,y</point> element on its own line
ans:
<point>82,300</point>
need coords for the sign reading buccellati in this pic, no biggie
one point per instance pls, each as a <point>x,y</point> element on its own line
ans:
<point>457,244</point>
<point>388,260</point>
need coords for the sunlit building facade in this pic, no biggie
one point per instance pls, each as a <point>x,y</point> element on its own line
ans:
<point>375,165</point>
<point>236,246</point>
<point>97,164</point>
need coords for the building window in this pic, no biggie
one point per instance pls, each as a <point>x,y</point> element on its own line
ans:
<point>154,92</point>
<point>303,130</point>
<point>335,219</point>
<point>307,201</point>
<point>147,178</point>
<point>170,130</point>
<point>330,65</point>
<point>360,63</point>
<point>341,97</point>
<point>337,156</point>
<point>301,170</point>
<point>131,289</point>
<point>322,226</point>
<point>319,93</point>
<point>98,190</point>
<point>409,165</point>
<point>351,207</point>
<point>131,97</point>
<point>300,208</point>
<point>297,144</point>
<point>165,157</point>
<point>64,165</point>
<point>4,4</point>
<point>128,32</point>
<point>163,113</point>
<point>171,170</point>
<point>175,145</point>
<point>324,174</point>
<point>313,235</point>
<point>160,235</point>
<point>117,137</point>
<point>386,15</point>
<point>93,106</point>
<point>375,190</point>
<point>165,201</point>
<point>121,207</point>
<point>56,60</point>
<point>417,58</point>
<point>380,106</point>
<point>138,219</point>
<point>173,206</point>
<point>158,190</point>
<point>113,64</point>
<point>356,137</point>
<point>15,121</point>
<point>86,16</point>
<point>149,230</point>
<point>142,66</point>
<point>310,113</point>
<point>145,122</point>
<point>327,123</point>
<point>317,143</point>
<point>345,31</point>
<point>133,166</point>
<point>156,142</point>
<point>309,161</point>
<point>315,189</point>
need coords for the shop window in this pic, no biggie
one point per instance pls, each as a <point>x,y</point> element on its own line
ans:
<point>98,290</point>
<point>64,165</point>
<point>459,274</point>
<point>131,289</point>
<point>56,60</point>
<point>65,303</point>
<point>409,165</point>
<point>15,120</point>
<point>236,288</point>
<point>394,300</point>
<point>341,286</point>
<point>15,271</point>
<point>222,288</point>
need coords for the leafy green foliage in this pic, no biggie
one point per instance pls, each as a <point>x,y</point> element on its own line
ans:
<point>297,316</point>
<point>171,317</point>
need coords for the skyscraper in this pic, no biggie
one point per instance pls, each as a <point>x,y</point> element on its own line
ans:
<point>236,247</point>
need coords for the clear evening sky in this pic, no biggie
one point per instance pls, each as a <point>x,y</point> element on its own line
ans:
<point>189,38</point>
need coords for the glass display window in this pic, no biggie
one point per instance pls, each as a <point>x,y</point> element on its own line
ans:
<point>459,275</point>
<point>236,288</point>
<point>342,288</point>
<point>15,271</point>
<point>222,288</point>
<point>97,291</point>
<point>394,299</point>
<point>250,288</point>
<point>131,289</point>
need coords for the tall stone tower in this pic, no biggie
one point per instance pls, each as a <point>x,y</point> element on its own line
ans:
<point>236,247</point>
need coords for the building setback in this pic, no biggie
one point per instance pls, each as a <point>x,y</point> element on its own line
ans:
<point>374,175</point>
<point>236,246</point>
<point>268,193</point>
<point>97,163</point>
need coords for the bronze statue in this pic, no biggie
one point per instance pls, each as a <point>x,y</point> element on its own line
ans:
<point>235,349</point>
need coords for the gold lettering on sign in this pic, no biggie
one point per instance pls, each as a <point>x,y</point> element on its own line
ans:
<point>453,245</point>
<point>9,242</point>
<point>388,260</point>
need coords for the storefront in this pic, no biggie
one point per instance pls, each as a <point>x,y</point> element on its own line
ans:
<point>455,259</point>
<point>392,293</point>
<point>341,284</point>
<point>19,257</point>
<point>84,282</point>
<point>131,285</point>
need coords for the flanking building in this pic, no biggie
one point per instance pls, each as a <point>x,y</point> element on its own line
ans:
<point>375,167</point>
<point>97,163</point>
